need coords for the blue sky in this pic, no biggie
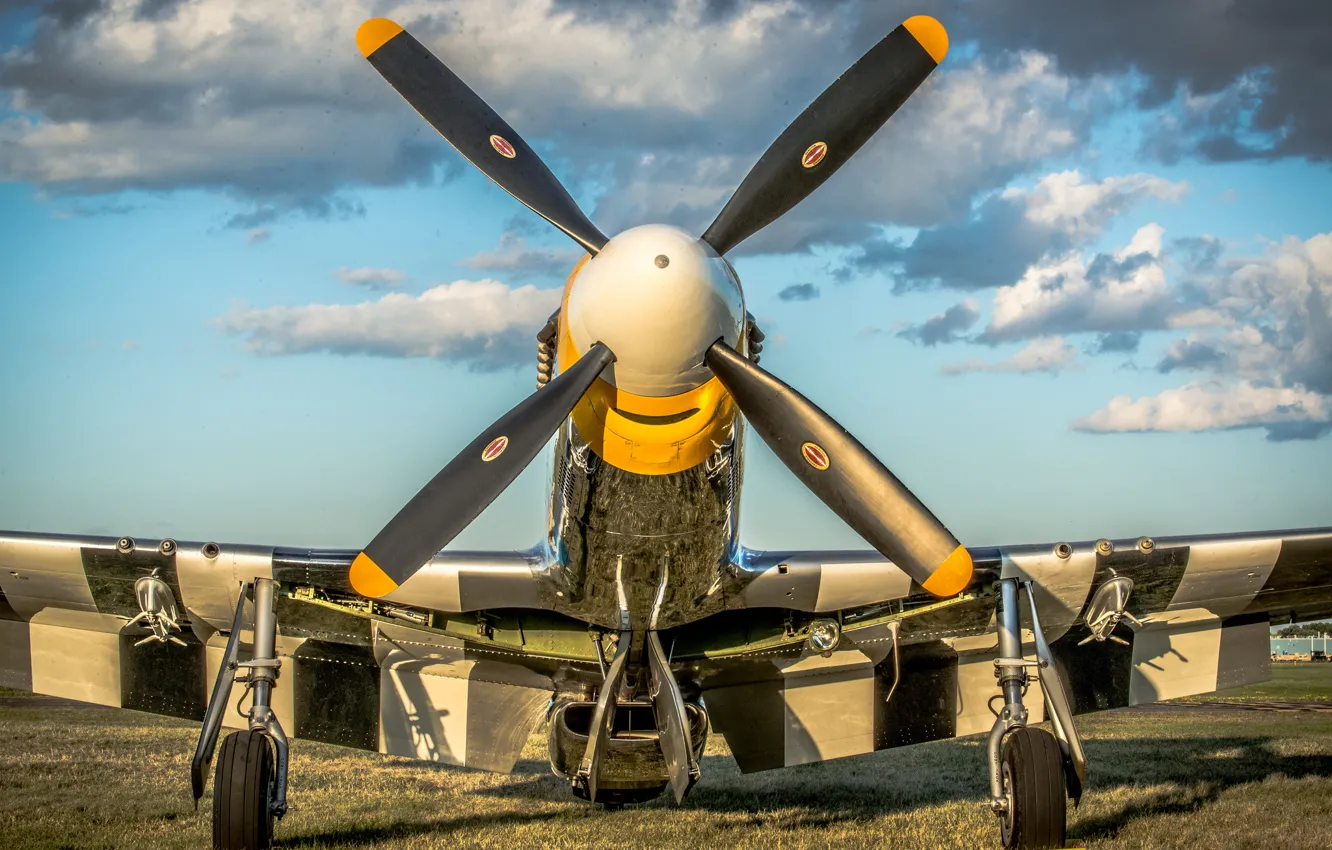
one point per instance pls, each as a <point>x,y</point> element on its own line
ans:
<point>173,172</point>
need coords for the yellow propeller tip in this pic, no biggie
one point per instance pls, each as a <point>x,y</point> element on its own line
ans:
<point>372,35</point>
<point>368,579</point>
<point>952,576</point>
<point>931,35</point>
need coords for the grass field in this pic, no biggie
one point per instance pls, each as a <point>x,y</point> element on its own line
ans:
<point>1186,777</point>
<point>1299,681</point>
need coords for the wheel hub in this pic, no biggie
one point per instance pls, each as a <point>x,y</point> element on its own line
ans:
<point>1005,808</point>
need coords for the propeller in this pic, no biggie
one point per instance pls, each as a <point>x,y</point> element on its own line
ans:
<point>844,475</point>
<point>830,130</point>
<point>822,454</point>
<point>471,126</point>
<point>472,480</point>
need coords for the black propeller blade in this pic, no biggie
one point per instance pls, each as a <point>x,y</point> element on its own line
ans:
<point>472,480</point>
<point>830,130</point>
<point>471,126</point>
<point>844,475</point>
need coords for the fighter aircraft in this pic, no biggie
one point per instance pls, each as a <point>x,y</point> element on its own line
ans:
<point>640,622</point>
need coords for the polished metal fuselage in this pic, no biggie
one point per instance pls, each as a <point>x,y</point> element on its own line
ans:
<point>659,550</point>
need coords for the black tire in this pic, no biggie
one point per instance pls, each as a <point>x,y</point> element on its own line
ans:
<point>242,786</point>
<point>1033,774</point>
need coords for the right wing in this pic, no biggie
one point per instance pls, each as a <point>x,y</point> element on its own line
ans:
<point>911,668</point>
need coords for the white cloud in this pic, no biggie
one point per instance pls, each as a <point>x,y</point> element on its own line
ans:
<point>221,94</point>
<point>1269,318</point>
<point>1047,354</point>
<point>1262,337</point>
<point>514,254</point>
<point>1063,201</point>
<point>980,119</point>
<point>482,323</point>
<point>257,234</point>
<point>1126,290</point>
<point>1287,412</point>
<point>1199,317</point>
<point>1009,232</point>
<point>373,279</point>
<point>1262,318</point>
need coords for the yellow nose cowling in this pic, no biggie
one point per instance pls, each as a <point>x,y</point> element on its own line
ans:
<point>648,435</point>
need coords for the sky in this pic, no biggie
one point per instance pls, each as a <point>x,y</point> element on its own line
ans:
<point>1079,286</point>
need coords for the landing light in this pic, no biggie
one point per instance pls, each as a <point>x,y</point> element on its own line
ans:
<point>824,635</point>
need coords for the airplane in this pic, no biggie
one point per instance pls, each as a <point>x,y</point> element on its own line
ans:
<point>640,623</point>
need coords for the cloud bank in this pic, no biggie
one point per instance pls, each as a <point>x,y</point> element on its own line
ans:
<point>483,324</point>
<point>1048,354</point>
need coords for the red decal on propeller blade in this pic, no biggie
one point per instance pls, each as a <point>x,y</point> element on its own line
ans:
<point>494,449</point>
<point>502,147</point>
<point>815,456</point>
<point>814,154</point>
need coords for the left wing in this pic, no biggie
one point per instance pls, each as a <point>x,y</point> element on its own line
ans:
<point>136,624</point>
<point>1128,622</point>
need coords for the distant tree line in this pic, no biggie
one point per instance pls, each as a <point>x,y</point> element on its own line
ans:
<point>1305,630</point>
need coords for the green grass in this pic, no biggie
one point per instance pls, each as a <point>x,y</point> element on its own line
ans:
<point>84,778</point>
<point>1290,682</point>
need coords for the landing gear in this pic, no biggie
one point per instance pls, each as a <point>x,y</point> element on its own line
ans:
<point>1034,791</point>
<point>250,782</point>
<point>242,792</point>
<point>1032,772</point>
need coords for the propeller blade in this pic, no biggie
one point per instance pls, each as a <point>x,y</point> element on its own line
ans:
<point>472,480</point>
<point>830,130</point>
<point>471,126</point>
<point>844,475</point>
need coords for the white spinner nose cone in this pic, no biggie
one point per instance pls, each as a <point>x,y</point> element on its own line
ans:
<point>658,297</point>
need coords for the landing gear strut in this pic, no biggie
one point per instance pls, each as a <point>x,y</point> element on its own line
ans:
<point>1032,772</point>
<point>250,783</point>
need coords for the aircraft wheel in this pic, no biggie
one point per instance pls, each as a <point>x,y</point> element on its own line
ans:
<point>242,787</point>
<point>1033,778</point>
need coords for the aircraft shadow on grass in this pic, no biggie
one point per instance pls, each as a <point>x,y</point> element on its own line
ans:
<point>1203,768</point>
<point>864,788</point>
<point>358,835</point>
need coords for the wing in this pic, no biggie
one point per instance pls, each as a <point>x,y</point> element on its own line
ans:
<point>1128,622</point>
<point>137,624</point>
